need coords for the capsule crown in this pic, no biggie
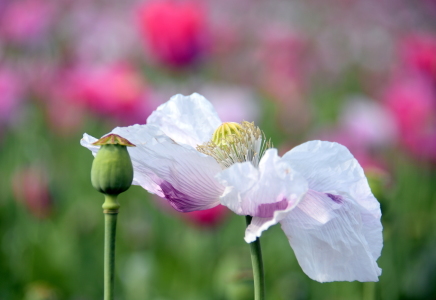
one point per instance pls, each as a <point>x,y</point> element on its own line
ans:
<point>113,139</point>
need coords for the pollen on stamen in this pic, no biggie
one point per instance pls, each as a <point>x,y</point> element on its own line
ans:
<point>232,143</point>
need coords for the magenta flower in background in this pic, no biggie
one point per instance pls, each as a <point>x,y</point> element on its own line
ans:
<point>411,95</point>
<point>201,219</point>
<point>175,32</point>
<point>418,52</point>
<point>208,218</point>
<point>412,103</point>
<point>316,191</point>
<point>115,89</point>
<point>109,88</point>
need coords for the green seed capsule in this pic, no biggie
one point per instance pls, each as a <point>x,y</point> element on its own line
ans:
<point>112,170</point>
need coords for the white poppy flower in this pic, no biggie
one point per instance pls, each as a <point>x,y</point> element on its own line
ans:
<point>317,191</point>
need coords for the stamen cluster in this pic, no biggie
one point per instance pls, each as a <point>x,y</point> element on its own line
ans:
<point>235,143</point>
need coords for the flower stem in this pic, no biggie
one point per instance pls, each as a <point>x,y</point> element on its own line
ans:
<point>368,290</point>
<point>258,272</point>
<point>110,210</point>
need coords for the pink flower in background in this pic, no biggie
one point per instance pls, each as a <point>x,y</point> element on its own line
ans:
<point>418,52</point>
<point>412,101</point>
<point>364,124</point>
<point>366,127</point>
<point>27,20</point>
<point>110,88</point>
<point>411,95</point>
<point>30,187</point>
<point>202,219</point>
<point>175,32</point>
<point>115,89</point>
<point>208,218</point>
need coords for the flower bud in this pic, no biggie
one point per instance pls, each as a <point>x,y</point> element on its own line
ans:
<point>112,170</point>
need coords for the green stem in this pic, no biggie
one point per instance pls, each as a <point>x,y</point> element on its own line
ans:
<point>368,290</point>
<point>258,272</point>
<point>110,209</point>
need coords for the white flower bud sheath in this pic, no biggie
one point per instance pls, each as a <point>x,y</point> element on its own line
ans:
<point>317,191</point>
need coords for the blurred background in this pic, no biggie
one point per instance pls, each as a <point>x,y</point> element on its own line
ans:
<point>358,72</point>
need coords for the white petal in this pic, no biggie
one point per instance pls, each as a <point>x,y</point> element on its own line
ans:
<point>261,192</point>
<point>87,140</point>
<point>187,120</point>
<point>331,168</point>
<point>178,173</point>
<point>327,238</point>
<point>187,176</point>
<point>259,225</point>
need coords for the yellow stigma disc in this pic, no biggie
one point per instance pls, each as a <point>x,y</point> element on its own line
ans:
<point>225,133</point>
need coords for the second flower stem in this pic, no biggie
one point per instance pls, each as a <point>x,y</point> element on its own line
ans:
<point>258,272</point>
<point>110,209</point>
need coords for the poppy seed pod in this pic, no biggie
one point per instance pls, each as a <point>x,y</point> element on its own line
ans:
<point>112,170</point>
